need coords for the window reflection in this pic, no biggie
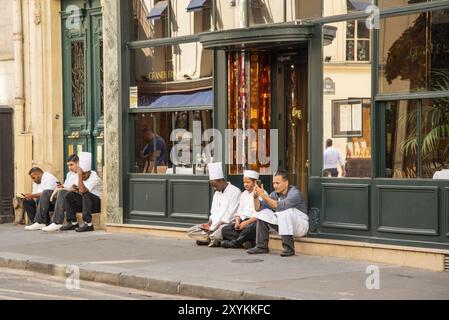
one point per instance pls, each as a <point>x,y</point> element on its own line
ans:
<point>160,137</point>
<point>414,52</point>
<point>249,109</point>
<point>347,103</point>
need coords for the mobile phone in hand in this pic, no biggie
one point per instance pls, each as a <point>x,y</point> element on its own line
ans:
<point>259,183</point>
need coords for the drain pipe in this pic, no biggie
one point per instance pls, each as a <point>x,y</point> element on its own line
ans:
<point>19,99</point>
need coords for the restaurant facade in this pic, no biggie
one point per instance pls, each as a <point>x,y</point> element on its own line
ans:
<point>373,78</point>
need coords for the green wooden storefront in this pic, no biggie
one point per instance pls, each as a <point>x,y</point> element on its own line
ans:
<point>412,212</point>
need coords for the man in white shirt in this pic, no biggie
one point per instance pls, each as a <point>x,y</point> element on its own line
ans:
<point>242,232</point>
<point>41,181</point>
<point>87,199</point>
<point>55,200</point>
<point>224,206</point>
<point>331,159</point>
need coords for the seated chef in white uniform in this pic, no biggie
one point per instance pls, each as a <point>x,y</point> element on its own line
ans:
<point>242,232</point>
<point>284,210</point>
<point>224,206</point>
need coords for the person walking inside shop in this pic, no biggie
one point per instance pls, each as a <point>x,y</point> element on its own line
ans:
<point>331,159</point>
<point>42,181</point>
<point>87,198</point>
<point>284,210</point>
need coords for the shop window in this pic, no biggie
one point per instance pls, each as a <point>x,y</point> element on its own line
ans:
<point>164,142</point>
<point>414,53</point>
<point>357,41</point>
<point>202,14</point>
<point>383,4</point>
<point>346,110</point>
<point>266,11</point>
<point>171,103</point>
<point>416,138</point>
<point>150,19</point>
<point>249,109</point>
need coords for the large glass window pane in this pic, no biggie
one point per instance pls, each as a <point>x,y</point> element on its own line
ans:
<point>303,9</point>
<point>266,11</point>
<point>383,4</point>
<point>249,109</point>
<point>401,139</point>
<point>338,7</point>
<point>414,52</point>
<point>346,106</point>
<point>174,83</point>
<point>163,18</point>
<point>435,136</point>
<point>167,76</point>
<point>164,142</point>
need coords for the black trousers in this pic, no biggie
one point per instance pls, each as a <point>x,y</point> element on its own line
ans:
<point>263,235</point>
<point>239,236</point>
<point>30,207</point>
<point>87,203</point>
<point>44,208</point>
<point>333,172</point>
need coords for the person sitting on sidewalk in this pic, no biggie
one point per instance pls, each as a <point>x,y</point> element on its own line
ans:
<point>54,201</point>
<point>42,181</point>
<point>243,231</point>
<point>87,198</point>
<point>224,205</point>
<point>284,210</point>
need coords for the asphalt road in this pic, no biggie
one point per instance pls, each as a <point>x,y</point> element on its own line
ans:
<point>24,285</point>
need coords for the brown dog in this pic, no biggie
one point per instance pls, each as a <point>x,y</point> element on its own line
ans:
<point>19,211</point>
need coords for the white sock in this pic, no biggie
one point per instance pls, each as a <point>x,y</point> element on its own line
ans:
<point>74,222</point>
<point>89,224</point>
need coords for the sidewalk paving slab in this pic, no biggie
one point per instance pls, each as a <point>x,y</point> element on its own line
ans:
<point>175,266</point>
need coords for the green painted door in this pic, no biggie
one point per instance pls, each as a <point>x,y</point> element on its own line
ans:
<point>82,50</point>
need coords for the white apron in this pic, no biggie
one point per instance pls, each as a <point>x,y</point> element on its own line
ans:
<point>290,222</point>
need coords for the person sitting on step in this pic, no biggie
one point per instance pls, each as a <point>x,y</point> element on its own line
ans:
<point>243,231</point>
<point>43,182</point>
<point>87,197</point>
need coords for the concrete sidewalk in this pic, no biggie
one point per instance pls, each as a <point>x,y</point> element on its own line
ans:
<point>173,266</point>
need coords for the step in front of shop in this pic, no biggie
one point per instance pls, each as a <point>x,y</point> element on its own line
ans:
<point>414,257</point>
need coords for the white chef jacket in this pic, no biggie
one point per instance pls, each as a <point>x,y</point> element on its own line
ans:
<point>94,184</point>
<point>246,205</point>
<point>48,182</point>
<point>224,205</point>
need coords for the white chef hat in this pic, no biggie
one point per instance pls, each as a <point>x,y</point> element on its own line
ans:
<point>85,161</point>
<point>215,171</point>
<point>251,174</point>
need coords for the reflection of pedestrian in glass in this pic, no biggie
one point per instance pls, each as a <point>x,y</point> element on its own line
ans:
<point>154,152</point>
<point>331,159</point>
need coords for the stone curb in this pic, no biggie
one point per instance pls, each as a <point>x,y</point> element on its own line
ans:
<point>129,280</point>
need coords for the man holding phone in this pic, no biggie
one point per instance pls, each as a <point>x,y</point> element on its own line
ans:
<point>43,182</point>
<point>284,210</point>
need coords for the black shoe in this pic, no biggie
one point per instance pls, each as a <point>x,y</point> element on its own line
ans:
<point>249,244</point>
<point>85,228</point>
<point>287,253</point>
<point>69,226</point>
<point>257,250</point>
<point>202,243</point>
<point>229,244</point>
